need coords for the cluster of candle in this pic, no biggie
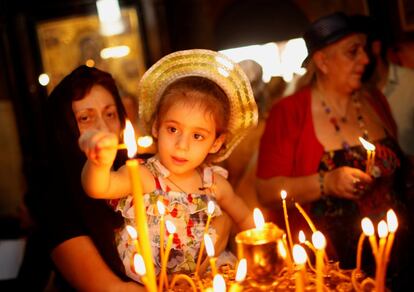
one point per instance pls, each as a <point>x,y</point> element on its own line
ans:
<point>259,249</point>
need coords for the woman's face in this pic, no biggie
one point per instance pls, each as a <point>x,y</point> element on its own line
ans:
<point>97,111</point>
<point>345,61</point>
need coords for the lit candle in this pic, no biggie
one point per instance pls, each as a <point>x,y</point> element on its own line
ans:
<point>306,216</point>
<point>139,208</point>
<point>302,240</point>
<point>299,256</point>
<point>319,242</point>
<point>161,210</point>
<point>210,252</point>
<point>219,285</point>
<point>283,195</point>
<point>134,236</point>
<point>392,223</point>
<point>240,276</point>
<point>370,154</point>
<point>210,211</point>
<point>163,276</point>
<point>359,250</point>
<point>139,267</point>
<point>368,229</point>
<point>382,233</point>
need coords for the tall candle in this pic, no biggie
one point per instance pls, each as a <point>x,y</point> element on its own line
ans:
<point>319,242</point>
<point>134,236</point>
<point>163,277</point>
<point>306,216</point>
<point>370,154</point>
<point>392,223</point>
<point>210,252</point>
<point>368,229</point>
<point>299,256</point>
<point>382,233</point>
<point>359,251</point>
<point>210,211</point>
<point>283,195</point>
<point>139,208</point>
<point>241,272</point>
<point>161,210</point>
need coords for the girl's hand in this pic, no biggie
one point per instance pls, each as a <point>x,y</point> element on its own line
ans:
<point>100,147</point>
<point>346,182</point>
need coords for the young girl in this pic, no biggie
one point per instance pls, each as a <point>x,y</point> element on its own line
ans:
<point>199,105</point>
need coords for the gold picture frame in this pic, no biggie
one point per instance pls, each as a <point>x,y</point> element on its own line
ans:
<point>406,11</point>
<point>69,42</point>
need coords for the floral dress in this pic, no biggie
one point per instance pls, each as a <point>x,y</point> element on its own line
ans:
<point>188,212</point>
<point>340,219</point>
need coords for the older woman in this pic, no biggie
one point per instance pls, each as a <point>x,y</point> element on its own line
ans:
<point>311,149</point>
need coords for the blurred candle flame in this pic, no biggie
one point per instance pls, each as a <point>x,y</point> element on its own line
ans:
<point>367,227</point>
<point>318,240</point>
<point>161,207</point>
<point>281,249</point>
<point>241,270</point>
<point>170,227</point>
<point>209,245</point>
<point>129,139</point>
<point>299,254</point>
<point>219,285</point>
<point>145,141</point>
<point>366,144</point>
<point>382,229</point>
<point>258,218</point>
<point>283,194</point>
<point>139,265</point>
<point>302,237</point>
<point>392,221</point>
<point>210,207</point>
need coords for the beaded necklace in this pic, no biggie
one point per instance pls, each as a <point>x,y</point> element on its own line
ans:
<point>356,102</point>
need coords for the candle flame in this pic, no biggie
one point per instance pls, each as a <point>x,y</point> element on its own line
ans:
<point>281,249</point>
<point>210,207</point>
<point>318,240</point>
<point>302,237</point>
<point>258,218</point>
<point>145,141</point>
<point>170,227</point>
<point>367,226</point>
<point>139,265</point>
<point>129,139</point>
<point>392,221</point>
<point>366,144</point>
<point>132,232</point>
<point>283,194</point>
<point>241,270</point>
<point>382,229</point>
<point>299,254</point>
<point>161,207</point>
<point>219,285</point>
<point>209,245</point>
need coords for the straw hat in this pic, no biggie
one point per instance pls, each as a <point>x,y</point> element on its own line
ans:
<point>213,66</point>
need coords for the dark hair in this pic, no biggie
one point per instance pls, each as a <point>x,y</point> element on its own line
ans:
<point>214,100</point>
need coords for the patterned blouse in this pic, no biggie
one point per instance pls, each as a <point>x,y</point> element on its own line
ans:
<point>187,211</point>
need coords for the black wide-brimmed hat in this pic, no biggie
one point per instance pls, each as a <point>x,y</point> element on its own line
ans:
<point>326,31</point>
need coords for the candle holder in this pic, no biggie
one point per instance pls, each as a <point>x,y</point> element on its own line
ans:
<point>259,247</point>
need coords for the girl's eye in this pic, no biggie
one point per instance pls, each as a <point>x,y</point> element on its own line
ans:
<point>111,114</point>
<point>172,129</point>
<point>83,119</point>
<point>198,137</point>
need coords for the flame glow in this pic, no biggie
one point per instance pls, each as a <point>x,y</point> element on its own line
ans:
<point>366,144</point>
<point>283,194</point>
<point>170,227</point>
<point>139,265</point>
<point>302,237</point>
<point>241,270</point>
<point>129,139</point>
<point>210,207</point>
<point>392,221</point>
<point>161,207</point>
<point>145,141</point>
<point>299,254</point>
<point>132,232</point>
<point>281,249</point>
<point>382,229</point>
<point>367,227</point>
<point>318,240</point>
<point>258,218</point>
<point>209,245</point>
<point>219,285</point>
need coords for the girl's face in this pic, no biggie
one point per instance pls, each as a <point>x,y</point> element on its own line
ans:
<point>345,61</point>
<point>186,135</point>
<point>97,111</point>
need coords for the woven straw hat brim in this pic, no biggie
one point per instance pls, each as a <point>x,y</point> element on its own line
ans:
<point>208,64</point>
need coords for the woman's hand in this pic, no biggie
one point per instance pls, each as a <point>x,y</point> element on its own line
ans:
<point>100,147</point>
<point>346,182</point>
